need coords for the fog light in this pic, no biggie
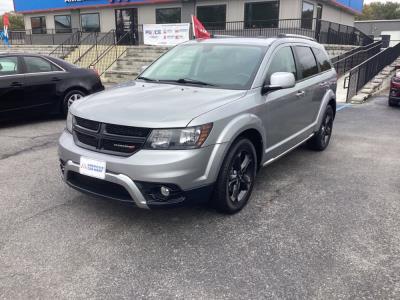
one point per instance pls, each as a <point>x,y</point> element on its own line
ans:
<point>165,191</point>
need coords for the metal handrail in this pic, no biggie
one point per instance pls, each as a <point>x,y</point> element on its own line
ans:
<point>353,51</point>
<point>72,42</point>
<point>97,42</point>
<point>108,50</point>
<point>364,72</point>
<point>348,62</point>
<point>323,31</point>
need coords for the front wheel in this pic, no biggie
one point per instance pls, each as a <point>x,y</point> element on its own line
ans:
<point>236,179</point>
<point>320,140</point>
<point>70,98</point>
<point>392,103</point>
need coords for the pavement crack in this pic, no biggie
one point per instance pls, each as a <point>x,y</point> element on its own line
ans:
<point>31,137</point>
<point>28,149</point>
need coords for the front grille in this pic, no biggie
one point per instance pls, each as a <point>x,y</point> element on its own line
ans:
<point>120,146</point>
<point>109,138</point>
<point>87,139</point>
<point>126,130</point>
<point>88,124</point>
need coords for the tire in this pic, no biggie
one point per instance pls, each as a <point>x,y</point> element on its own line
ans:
<point>321,139</point>
<point>236,177</point>
<point>392,103</point>
<point>69,98</point>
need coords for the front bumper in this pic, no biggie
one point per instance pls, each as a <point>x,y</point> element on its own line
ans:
<point>189,174</point>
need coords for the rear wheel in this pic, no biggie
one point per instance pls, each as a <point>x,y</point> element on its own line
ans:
<point>392,103</point>
<point>70,98</point>
<point>320,140</point>
<point>236,179</point>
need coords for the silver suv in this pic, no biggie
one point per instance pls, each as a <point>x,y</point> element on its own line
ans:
<point>200,121</point>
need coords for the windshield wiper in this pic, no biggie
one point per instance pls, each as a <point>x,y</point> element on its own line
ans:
<point>189,81</point>
<point>146,78</point>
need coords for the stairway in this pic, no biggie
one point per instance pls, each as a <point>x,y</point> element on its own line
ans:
<point>128,66</point>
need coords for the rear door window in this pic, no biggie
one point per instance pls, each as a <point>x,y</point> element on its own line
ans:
<point>306,62</point>
<point>8,65</point>
<point>322,59</point>
<point>39,65</point>
<point>283,61</point>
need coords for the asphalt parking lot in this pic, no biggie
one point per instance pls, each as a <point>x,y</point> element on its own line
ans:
<point>319,226</point>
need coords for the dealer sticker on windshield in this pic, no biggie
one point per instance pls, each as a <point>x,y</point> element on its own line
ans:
<point>92,168</point>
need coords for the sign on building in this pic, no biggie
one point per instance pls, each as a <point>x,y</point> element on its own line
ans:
<point>165,34</point>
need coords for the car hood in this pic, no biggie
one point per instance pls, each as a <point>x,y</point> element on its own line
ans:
<point>152,105</point>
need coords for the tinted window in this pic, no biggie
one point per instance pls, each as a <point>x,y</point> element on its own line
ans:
<point>8,65</point>
<point>63,24</point>
<point>212,16</point>
<point>261,14</point>
<point>38,25</point>
<point>322,60</point>
<point>38,65</point>
<point>168,15</point>
<point>224,66</point>
<point>307,15</point>
<point>306,61</point>
<point>90,22</point>
<point>283,61</point>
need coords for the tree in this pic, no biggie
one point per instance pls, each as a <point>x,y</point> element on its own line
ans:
<point>16,22</point>
<point>380,11</point>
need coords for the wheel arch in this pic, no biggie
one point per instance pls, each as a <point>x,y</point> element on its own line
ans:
<point>249,126</point>
<point>329,99</point>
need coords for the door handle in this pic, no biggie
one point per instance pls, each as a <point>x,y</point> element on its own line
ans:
<point>300,93</point>
<point>56,79</point>
<point>16,84</point>
<point>323,83</point>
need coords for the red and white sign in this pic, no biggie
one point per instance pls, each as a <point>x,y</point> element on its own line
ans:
<point>165,34</point>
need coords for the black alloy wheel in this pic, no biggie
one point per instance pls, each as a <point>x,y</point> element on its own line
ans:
<point>236,178</point>
<point>321,139</point>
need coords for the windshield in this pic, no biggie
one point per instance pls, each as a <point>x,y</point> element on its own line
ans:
<point>218,65</point>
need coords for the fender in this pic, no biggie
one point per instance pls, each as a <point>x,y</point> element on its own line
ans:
<point>228,135</point>
<point>239,124</point>
<point>329,95</point>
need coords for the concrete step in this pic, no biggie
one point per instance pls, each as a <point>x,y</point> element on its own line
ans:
<point>119,76</point>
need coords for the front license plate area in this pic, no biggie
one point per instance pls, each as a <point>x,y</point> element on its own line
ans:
<point>93,168</point>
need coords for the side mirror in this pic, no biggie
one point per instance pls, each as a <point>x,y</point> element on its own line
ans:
<point>278,81</point>
<point>143,68</point>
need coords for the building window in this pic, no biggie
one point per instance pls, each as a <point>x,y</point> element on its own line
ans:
<point>90,22</point>
<point>261,14</point>
<point>63,24</point>
<point>168,15</point>
<point>212,16</point>
<point>307,15</point>
<point>38,25</point>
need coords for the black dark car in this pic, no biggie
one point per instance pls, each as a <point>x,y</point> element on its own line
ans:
<point>37,84</point>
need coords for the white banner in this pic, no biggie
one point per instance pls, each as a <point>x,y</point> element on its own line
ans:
<point>165,34</point>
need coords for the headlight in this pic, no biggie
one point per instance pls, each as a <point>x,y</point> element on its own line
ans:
<point>69,122</point>
<point>178,139</point>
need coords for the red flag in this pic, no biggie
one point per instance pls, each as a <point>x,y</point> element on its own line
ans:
<point>198,29</point>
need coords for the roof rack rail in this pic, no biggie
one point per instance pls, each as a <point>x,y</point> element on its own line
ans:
<point>223,36</point>
<point>287,35</point>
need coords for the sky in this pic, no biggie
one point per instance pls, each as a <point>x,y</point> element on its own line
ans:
<point>7,5</point>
